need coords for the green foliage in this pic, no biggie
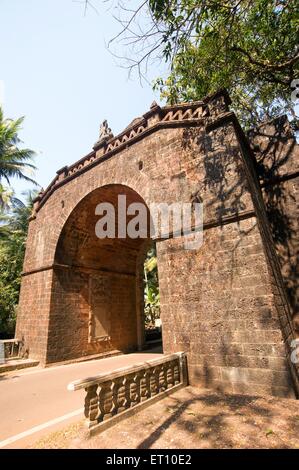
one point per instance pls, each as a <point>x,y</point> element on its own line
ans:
<point>248,47</point>
<point>8,199</point>
<point>14,161</point>
<point>151,288</point>
<point>9,288</point>
<point>13,235</point>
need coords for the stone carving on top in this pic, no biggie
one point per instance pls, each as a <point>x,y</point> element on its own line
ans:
<point>169,113</point>
<point>130,134</point>
<point>209,108</point>
<point>105,131</point>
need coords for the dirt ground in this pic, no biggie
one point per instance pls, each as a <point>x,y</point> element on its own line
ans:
<point>192,418</point>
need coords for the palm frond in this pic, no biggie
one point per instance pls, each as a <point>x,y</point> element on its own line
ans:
<point>14,161</point>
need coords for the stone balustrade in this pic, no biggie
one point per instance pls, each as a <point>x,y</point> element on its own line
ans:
<point>113,396</point>
<point>11,348</point>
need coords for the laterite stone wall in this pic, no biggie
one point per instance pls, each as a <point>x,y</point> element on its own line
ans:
<point>225,304</point>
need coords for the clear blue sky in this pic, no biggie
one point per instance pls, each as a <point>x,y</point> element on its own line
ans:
<point>58,73</point>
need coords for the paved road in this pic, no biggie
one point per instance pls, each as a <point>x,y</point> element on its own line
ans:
<point>34,402</point>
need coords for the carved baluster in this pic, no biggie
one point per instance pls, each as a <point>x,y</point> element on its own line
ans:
<point>119,395</point>
<point>162,379</point>
<point>137,382</point>
<point>91,405</point>
<point>176,373</point>
<point>169,375</point>
<point>127,391</point>
<point>148,383</point>
<point>144,386</point>
<point>105,401</point>
<point>114,389</point>
<point>133,389</point>
<point>154,382</point>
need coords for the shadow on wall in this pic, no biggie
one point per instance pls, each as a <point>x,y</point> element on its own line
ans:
<point>224,188</point>
<point>223,183</point>
<point>277,154</point>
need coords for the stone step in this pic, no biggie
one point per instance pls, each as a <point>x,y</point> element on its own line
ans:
<point>16,364</point>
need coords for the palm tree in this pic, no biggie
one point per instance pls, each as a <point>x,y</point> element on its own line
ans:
<point>18,221</point>
<point>4,229</point>
<point>14,219</point>
<point>14,161</point>
<point>8,199</point>
<point>13,234</point>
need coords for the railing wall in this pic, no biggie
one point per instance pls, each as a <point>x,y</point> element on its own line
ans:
<point>10,349</point>
<point>113,396</point>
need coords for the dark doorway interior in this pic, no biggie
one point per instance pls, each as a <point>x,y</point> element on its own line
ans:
<point>152,319</point>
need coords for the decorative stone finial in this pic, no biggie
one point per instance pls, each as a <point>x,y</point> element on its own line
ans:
<point>105,131</point>
<point>153,105</point>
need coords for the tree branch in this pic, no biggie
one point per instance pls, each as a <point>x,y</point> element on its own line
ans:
<point>264,64</point>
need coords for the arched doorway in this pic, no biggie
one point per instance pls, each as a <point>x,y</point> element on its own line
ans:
<point>98,290</point>
<point>152,313</point>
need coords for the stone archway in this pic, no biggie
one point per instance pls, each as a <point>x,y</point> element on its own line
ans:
<point>97,289</point>
<point>224,304</point>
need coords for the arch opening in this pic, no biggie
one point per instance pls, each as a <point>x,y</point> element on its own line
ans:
<point>98,301</point>
<point>152,314</point>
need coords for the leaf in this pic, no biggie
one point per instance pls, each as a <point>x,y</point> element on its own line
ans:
<point>242,46</point>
